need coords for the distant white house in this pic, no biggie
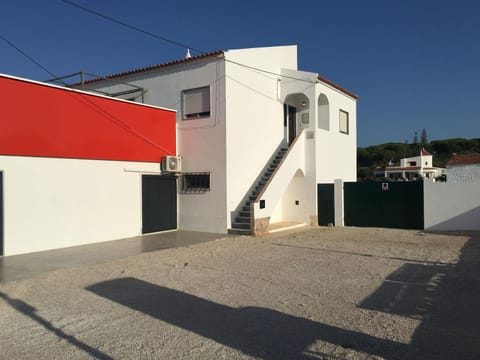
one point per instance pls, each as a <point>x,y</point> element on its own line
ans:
<point>463,168</point>
<point>256,135</point>
<point>420,166</point>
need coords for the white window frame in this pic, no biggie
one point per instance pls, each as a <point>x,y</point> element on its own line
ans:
<point>343,122</point>
<point>196,103</point>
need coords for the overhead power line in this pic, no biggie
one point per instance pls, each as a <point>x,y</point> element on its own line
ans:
<point>133,27</point>
<point>27,56</point>
<point>87,102</point>
<point>158,37</point>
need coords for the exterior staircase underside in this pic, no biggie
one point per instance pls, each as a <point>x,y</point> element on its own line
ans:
<point>243,221</point>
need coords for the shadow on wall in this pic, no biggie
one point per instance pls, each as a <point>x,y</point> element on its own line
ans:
<point>445,297</point>
<point>259,332</point>
<point>469,220</point>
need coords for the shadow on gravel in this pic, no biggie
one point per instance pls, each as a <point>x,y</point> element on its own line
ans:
<point>361,254</point>
<point>258,332</point>
<point>445,298</point>
<point>30,311</point>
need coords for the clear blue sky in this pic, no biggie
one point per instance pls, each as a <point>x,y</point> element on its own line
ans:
<point>414,63</point>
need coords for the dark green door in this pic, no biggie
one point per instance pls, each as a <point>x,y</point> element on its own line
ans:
<point>326,205</point>
<point>392,205</point>
<point>159,203</point>
<point>292,124</point>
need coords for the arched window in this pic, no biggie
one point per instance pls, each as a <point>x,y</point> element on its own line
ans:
<point>323,113</point>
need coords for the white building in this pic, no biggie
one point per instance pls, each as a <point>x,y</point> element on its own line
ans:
<point>420,166</point>
<point>236,111</point>
<point>464,168</point>
<point>78,168</point>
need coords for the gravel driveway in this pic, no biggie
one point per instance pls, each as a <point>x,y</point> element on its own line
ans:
<point>317,293</point>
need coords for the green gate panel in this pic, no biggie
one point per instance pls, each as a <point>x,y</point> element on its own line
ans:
<point>326,204</point>
<point>391,205</point>
<point>159,203</point>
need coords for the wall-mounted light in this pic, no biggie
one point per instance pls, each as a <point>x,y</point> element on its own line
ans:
<point>304,103</point>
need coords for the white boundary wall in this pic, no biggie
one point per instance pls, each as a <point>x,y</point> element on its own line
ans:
<point>452,206</point>
<point>53,203</point>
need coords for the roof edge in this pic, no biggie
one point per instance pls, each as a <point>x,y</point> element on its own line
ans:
<point>336,86</point>
<point>158,66</point>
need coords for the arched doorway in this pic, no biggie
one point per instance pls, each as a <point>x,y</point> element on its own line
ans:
<point>296,115</point>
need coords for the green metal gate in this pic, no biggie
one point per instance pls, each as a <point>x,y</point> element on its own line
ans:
<point>391,205</point>
<point>159,203</point>
<point>326,204</point>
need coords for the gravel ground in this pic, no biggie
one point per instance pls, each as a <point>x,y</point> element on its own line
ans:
<point>317,293</point>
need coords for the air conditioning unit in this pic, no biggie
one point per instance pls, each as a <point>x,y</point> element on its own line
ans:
<point>171,164</point>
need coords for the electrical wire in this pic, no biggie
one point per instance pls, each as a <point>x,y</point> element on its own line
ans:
<point>110,117</point>
<point>132,27</point>
<point>158,37</point>
<point>28,56</point>
<point>87,102</point>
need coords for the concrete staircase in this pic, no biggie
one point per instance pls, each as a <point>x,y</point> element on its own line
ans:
<point>243,221</point>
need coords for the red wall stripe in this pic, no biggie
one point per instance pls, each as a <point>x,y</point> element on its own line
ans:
<point>41,120</point>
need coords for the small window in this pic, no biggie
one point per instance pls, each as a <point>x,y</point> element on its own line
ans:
<point>195,182</point>
<point>343,122</point>
<point>196,103</point>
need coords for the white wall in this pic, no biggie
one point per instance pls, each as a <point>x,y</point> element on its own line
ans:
<point>52,203</point>
<point>291,211</point>
<point>452,206</point>
<point>254,114</point>
<point>423,161</point>
<point>336,152</point>
<point>201,142</point>
<point>275,194</point>
<point>463,173</point>
<point>287,208</point>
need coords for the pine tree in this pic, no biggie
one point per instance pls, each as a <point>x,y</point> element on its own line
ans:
<point>415,138</point>
<point>423,137</point>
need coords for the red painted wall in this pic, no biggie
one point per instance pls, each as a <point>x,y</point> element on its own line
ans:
<point>40,120</point>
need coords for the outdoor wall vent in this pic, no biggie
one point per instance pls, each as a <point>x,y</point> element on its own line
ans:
<point>171,163</point>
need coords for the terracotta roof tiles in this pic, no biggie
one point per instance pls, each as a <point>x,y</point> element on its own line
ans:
<point>162,65</point>
<point>407,168</point>
<point>464,159</point>
<point>424,152</point>
<point>336,86</point>
<point>202,56</point>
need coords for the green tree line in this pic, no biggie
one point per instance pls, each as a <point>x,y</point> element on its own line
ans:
<point>371,157</point>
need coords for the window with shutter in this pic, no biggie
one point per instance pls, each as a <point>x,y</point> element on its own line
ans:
<point>196,103</point>
<point>343,122</point>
